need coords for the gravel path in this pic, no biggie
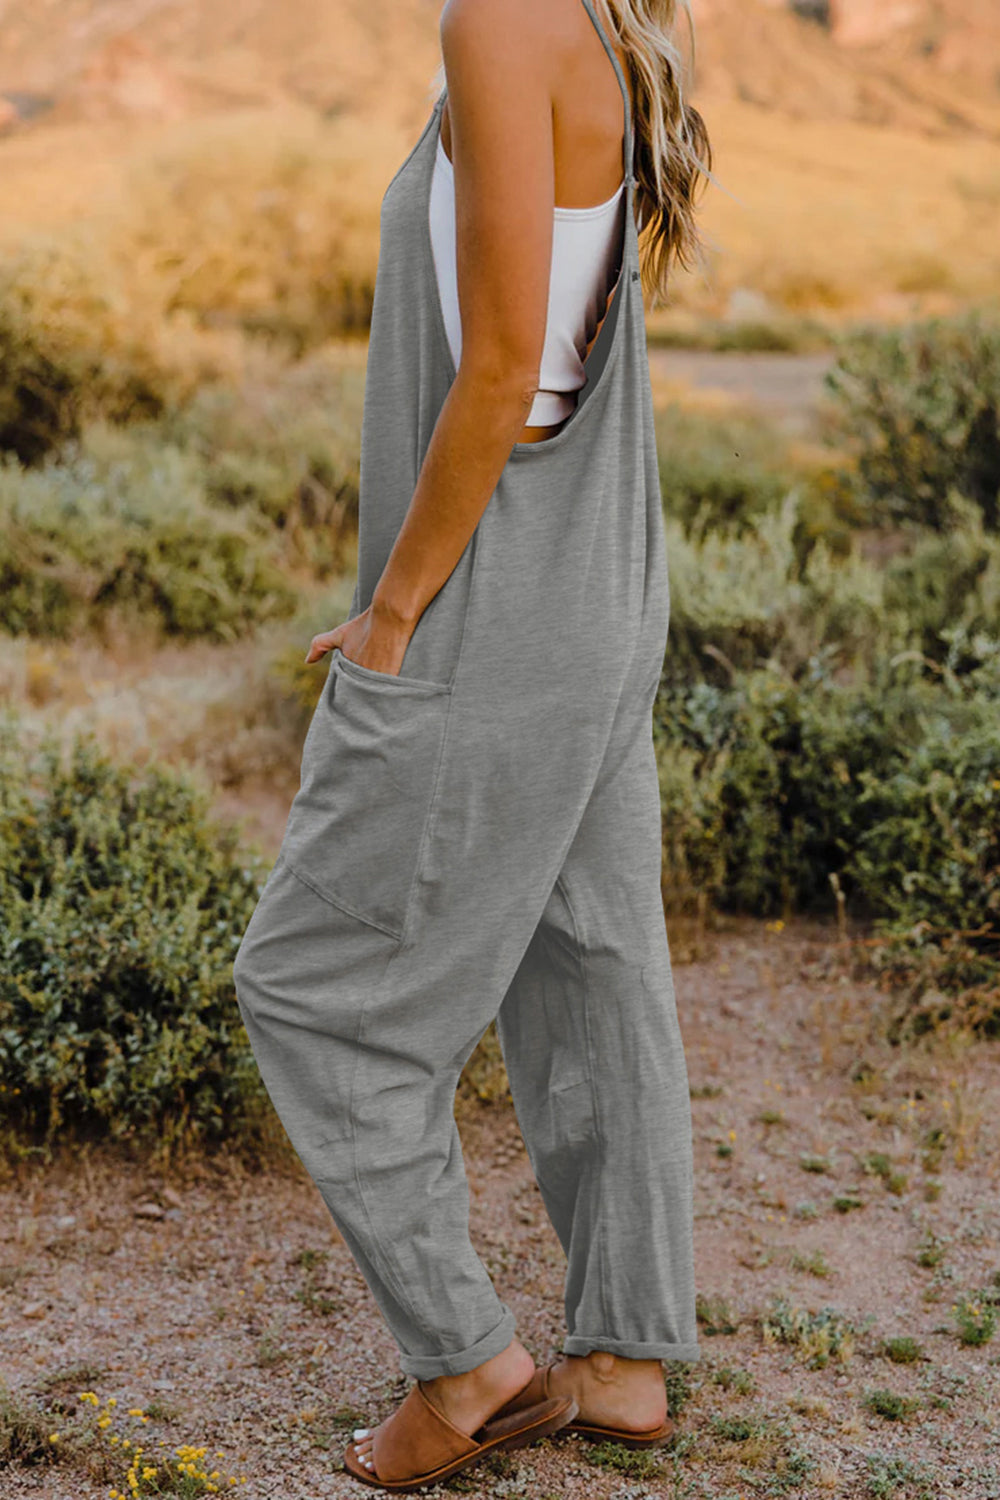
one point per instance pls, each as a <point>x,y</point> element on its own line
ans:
<point>788,388</point>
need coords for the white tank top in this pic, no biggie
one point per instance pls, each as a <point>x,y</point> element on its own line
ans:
<point>586,247</point>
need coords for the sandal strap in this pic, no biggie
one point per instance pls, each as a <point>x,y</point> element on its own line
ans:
<point>535,1391</point>
<point>418,1439</point>
<point>507,1423</point>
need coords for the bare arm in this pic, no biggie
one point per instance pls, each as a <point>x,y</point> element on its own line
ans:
<point>500,108</point>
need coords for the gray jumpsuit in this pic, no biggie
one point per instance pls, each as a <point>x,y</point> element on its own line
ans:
<point>479,838</point>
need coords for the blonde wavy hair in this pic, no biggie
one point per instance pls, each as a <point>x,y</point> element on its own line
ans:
<point>673,154</point>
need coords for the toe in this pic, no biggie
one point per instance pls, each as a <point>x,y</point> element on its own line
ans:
<point>361,1448</point>
<point>361,1432</point>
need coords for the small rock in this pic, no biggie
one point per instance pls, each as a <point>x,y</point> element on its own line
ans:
<point>33,1310</point>
<point>66,1221</point>
<point>172,1196</point>
<point>148,1211</point>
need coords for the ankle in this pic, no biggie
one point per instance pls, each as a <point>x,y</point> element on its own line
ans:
<point>610,1369</point>
<point>603,1366</point>
<point>511,1363</point>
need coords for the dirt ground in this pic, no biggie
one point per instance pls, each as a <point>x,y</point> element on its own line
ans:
<point>787,389</point>
<point>235,1317</point>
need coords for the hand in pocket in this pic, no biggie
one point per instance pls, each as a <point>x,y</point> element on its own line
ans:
<point>368,640</point>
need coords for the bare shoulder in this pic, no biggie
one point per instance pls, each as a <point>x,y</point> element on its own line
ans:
<point>506,32</point>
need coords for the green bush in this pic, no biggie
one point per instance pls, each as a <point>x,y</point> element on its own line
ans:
<point>737,601</point>
<point>920,405</point>
<point>121,908</point>
<point>123,524</point>
<point>946,582</point>
<point>767,773</point>
<point>719,473</point>
<point>287,444</point>
<point>770,785</point>
<point>75,347</point>
<point>63,355</point>
<point>741,600</point>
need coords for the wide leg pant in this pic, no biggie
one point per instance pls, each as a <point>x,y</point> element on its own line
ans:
<point>361,1036</point>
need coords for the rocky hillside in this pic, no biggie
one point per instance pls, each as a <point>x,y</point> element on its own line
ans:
<point>925,65</point>
<point>911,64</point>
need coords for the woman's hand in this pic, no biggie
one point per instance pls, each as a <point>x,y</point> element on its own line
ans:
<point>367,639</point>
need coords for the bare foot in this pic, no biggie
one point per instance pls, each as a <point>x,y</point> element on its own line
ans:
<point>466,1400</point>
<point>612,1391</point>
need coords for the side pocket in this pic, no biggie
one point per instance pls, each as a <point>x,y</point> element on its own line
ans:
<point>369,766</point>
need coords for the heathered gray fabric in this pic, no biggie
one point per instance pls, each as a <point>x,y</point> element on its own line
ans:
<point>479,837</point>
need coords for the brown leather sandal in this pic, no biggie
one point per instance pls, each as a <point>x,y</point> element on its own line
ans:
<point>419,1446</point>
<point>537,1389</point>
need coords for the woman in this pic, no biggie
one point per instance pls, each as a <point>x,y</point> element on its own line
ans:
<point>477,833</point>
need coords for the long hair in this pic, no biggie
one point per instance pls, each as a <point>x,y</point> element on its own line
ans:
<point>673,154</point>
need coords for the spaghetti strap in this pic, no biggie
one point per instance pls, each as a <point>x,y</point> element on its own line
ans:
<point>629,147</point>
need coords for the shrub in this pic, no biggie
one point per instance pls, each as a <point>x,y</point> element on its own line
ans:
<point>719,473</point>
<point>260,220</point>
<point>64,352</point>
<point>124,525</point>
<point>76,345</point>
<point>770,785</point>
<point>921,407</point>
<point>947,582</point>
<point>816,1337</point>
<point>286,443</point>
<point>121,908</point>
<point>773,594</point>
<point>928,829</point>
<point>737,601</point>
<point>772,813</point>
<point>891,1405</point>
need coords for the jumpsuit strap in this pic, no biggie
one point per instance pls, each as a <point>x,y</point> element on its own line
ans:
<point>629,138</point>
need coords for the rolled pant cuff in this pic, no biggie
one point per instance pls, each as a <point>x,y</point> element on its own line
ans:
<point>428,1366</point>
<point>629,1349</point>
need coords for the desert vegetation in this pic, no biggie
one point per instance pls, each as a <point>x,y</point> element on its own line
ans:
<point>182,353</point>
<point>827,722</point>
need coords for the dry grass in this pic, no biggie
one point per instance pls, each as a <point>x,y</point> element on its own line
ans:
<point>268,217</point>
<point>258,219</point>
<point>847,217</point>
